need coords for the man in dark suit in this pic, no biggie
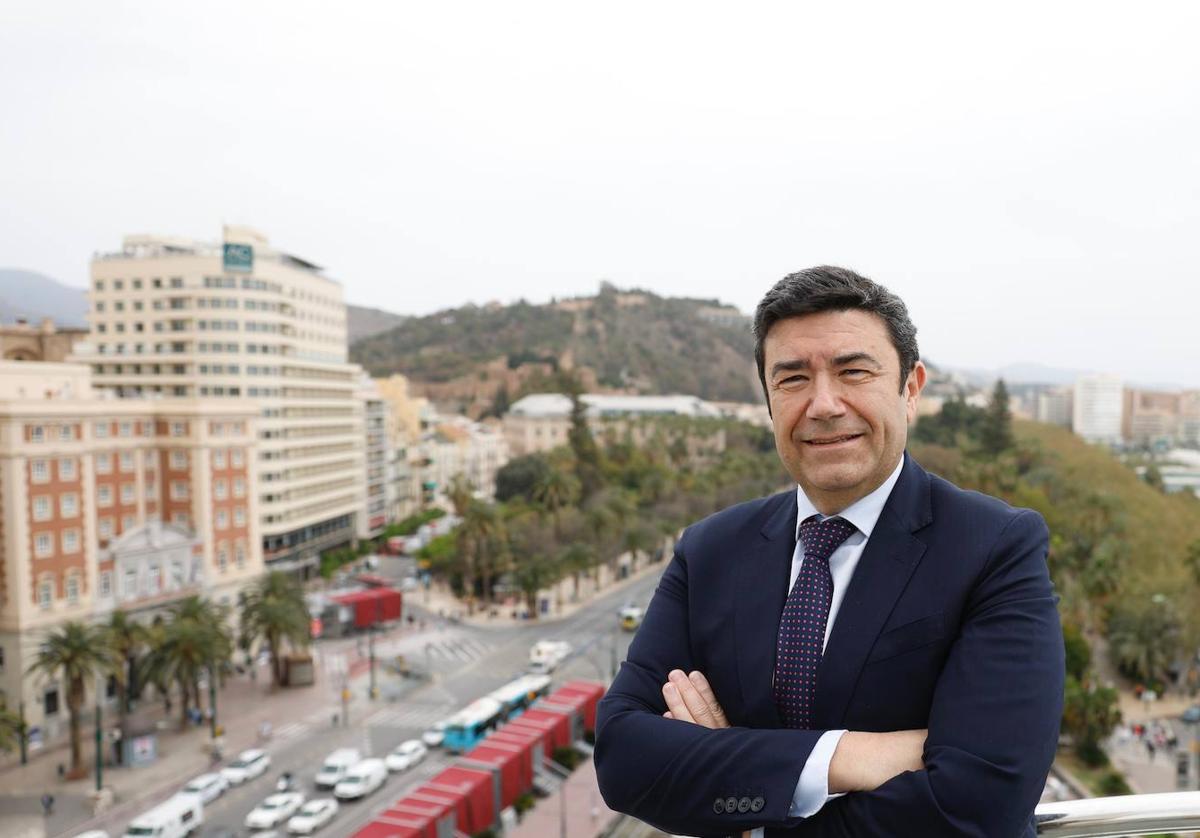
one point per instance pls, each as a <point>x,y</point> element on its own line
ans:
<point>875,653</point>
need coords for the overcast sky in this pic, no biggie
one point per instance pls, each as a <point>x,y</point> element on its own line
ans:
<point>1027,177</point>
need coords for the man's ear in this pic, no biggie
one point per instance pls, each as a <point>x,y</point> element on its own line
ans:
<point>913,387</point>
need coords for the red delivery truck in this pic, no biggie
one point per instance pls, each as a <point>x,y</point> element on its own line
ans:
<point>372,606</point>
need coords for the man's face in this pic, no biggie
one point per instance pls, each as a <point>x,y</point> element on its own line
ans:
<point>840,415</point>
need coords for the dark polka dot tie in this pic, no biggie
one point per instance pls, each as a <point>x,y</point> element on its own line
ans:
<point>802,626</point>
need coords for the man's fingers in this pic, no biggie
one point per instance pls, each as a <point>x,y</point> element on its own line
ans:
<point>675,705</point>
<point>696,705</point>
<point>706,692</point>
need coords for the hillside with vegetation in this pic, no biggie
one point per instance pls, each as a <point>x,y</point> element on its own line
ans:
<point>620,341</point>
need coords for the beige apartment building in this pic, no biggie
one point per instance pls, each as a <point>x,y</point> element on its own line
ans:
<point>113,503</point>
<point>177,318</point>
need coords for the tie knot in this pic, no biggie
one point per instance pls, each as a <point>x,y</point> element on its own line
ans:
<point>821,536</point>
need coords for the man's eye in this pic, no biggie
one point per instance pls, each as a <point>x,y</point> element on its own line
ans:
<point>791,382</point>
<point>854,373</point>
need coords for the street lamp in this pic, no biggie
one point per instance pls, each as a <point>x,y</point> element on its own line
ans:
<point>99,735</point>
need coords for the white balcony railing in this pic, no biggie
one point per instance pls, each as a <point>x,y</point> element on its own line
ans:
<point>1131,814</point>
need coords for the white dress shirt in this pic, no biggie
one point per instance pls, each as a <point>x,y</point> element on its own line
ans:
<point>812,790</point>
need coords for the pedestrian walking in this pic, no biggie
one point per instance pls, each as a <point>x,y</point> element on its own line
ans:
<point>47,804</point>
<point>1150,749</point>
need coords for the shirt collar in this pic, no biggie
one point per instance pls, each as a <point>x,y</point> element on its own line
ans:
<point>863,513</point>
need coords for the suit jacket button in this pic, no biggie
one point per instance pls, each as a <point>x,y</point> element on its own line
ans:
<point>719,806</point>
<point>731,805</point>
<point>757,804</point>
<point>744,805</point>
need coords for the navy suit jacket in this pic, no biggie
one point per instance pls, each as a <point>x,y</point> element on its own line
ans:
<point>949,623</point>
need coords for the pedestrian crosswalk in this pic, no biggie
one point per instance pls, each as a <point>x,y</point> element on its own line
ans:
<point>411,716</point>
<point>290,731</point>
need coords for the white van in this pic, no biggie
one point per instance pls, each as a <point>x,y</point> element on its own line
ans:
<point>546,655</point>
<point>361,780</point>
<point>180,816</point>
<point>335,766</point>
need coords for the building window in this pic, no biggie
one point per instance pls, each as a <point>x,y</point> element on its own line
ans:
<point>37,433</point>
<point>41,508</point>
<point>239,554</point>
<point>178,429</point>
<point>104,495</point>
<point>43,545</point>
<point>179,460</point>
<point>128,522</point>
<point>153,580</point>
<point>177,579</point>
<point>129,584</point>
<point>128,493</point>
<point>239,516</point>
<point>104,527</point>
<point>70,541</point>
<point>66,468</point>
<point>106,583</point>
<point>68,505</point>
<point>223,558</point>
<point>179,490</point>
<point>50,696</point>
<point>100,430</point>
<point>125,429</point>
<point>66,433</point>
<point>45,597</point>
<point>180,519</point>
<point>239,487</point>
<point>151,490</point>
<point>222,519</point>
<point>218,459</point>
<point>220,489</point>
<point>236,457</point>
<point>127,462</point>
<point>104,464</point>
<point>39,471</point>
<point>73,589</point>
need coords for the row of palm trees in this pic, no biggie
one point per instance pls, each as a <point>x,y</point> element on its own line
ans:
<point>174,652</point>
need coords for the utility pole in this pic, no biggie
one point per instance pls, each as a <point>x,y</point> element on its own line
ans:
<point>99,747</point>
<point>23,735</point>
<point>212,701</point>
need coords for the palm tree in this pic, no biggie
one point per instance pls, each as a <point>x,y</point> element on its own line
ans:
<point>274,611</point>
<point>126,638</point>
<point>196,639</point>
<point>1144,635</point>
<point>460,494</point>
<point>75,652</point>
<point>555,490</point>
<point>11,729</point>
<point>476,539</point>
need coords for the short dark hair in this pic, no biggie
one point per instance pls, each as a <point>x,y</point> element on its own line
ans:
<point>826,288</point>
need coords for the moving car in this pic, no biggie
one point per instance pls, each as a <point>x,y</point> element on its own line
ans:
<point>335,766</point>
<point>274,810</point>
<point>248,765</point>
<point>177,817</point>
<point>312,816</point>
<point>361,780</point>
<point>546,655</point>
<point>406,755</point>
<point>434,736</point>
<point>208,786</point>
<point>1191,715</point>
<point>631,617</point>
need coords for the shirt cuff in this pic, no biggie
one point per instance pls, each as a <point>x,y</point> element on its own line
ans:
<point>812,790</point>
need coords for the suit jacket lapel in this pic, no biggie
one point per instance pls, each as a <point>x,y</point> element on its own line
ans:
<point>883,571</point>
<point>761,592</point>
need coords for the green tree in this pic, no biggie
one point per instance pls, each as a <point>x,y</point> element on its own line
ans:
<point>127,640</point>
<point>1153,477</point>
<point>11,730</point>
<point>583,445</point>
<point>460,494</point>
<point>995,432</point>
<point>518,477</point>
<point>194,640</point>
<point>1144,636</point>
<point>74,653</point>
<point>532,549</point>
<point>1079,653</point>
<point>274,612</point>
<point>1090,713</point>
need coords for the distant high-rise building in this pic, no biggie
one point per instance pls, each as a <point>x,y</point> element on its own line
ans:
<point>1150,417</point>
<point>1097,408</point>
<point>1054,407</point>
<point>173,317</point>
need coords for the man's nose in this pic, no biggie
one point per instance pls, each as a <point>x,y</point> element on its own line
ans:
<point>826,402</point>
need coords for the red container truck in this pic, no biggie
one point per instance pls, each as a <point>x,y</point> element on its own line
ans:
<point>480,806</point>
<point>372,606</point>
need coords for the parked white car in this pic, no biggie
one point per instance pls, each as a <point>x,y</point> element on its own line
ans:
<point>248,765</point>
<point>434,736</point>
<point>361,780</point>
<point>406,755</point>
<point>274,810</point>
<point>312,816</point>
<point>208,786</point>
<point>546,655</point>
<point>335,766</point>
<point>177,817</point>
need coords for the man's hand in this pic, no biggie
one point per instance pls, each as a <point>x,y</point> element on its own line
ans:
<point>691,699</point>
<point>865,761</point>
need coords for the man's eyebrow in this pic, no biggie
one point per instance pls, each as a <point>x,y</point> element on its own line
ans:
<point>857,358</point>
<point>789,366</point>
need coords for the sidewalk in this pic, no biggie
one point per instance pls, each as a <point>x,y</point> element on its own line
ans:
<point>586,815</point>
